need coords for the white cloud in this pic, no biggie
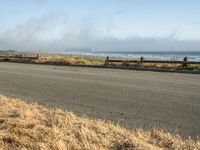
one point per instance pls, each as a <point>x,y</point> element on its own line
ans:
<point>54,33</point>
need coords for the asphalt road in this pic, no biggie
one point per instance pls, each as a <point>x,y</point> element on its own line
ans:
<point>131,98</point>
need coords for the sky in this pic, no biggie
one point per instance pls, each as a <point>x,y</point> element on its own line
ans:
<point>101,25</point>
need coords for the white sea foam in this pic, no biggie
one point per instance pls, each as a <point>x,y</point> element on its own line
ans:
<point>192,56</point>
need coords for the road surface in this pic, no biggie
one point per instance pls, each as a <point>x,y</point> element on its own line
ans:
<point>130,98</point>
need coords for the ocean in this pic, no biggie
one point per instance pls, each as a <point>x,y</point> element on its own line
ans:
<point>192,56</point>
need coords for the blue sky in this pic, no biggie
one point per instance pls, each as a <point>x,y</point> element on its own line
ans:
<point>56,25</point>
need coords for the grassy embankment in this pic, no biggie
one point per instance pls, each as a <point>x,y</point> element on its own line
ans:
<point>91,60</point>
<point>70,60</point>
<point>168,66</point>
<point>30,126</point>
<point>58,59</point>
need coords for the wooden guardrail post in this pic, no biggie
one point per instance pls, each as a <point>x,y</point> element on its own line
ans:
<point>141,59</point>
<point>185,62</point>
<point>107,61</point>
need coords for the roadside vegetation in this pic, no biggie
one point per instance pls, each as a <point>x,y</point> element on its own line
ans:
<point>30,126</point>
<point>69,60</point>
<point>169,66</point>
<point>56,59</point>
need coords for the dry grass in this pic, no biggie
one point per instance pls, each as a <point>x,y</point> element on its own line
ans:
<point>69,60</point>
<point>59,60</point>
<point>167,66</point>
<point>158,66</point>
<point>30,126</point>
<point>92,60</point>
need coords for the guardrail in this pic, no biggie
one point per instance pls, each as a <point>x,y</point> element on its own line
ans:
<point>184,63</point>
<point>20,56</point>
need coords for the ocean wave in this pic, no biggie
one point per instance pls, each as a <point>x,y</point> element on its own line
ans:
<point>192,56</point>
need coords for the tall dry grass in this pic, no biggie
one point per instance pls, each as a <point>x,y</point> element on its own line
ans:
<point>58,60</point>
<point>69,60</point>
<point>30,126</point>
